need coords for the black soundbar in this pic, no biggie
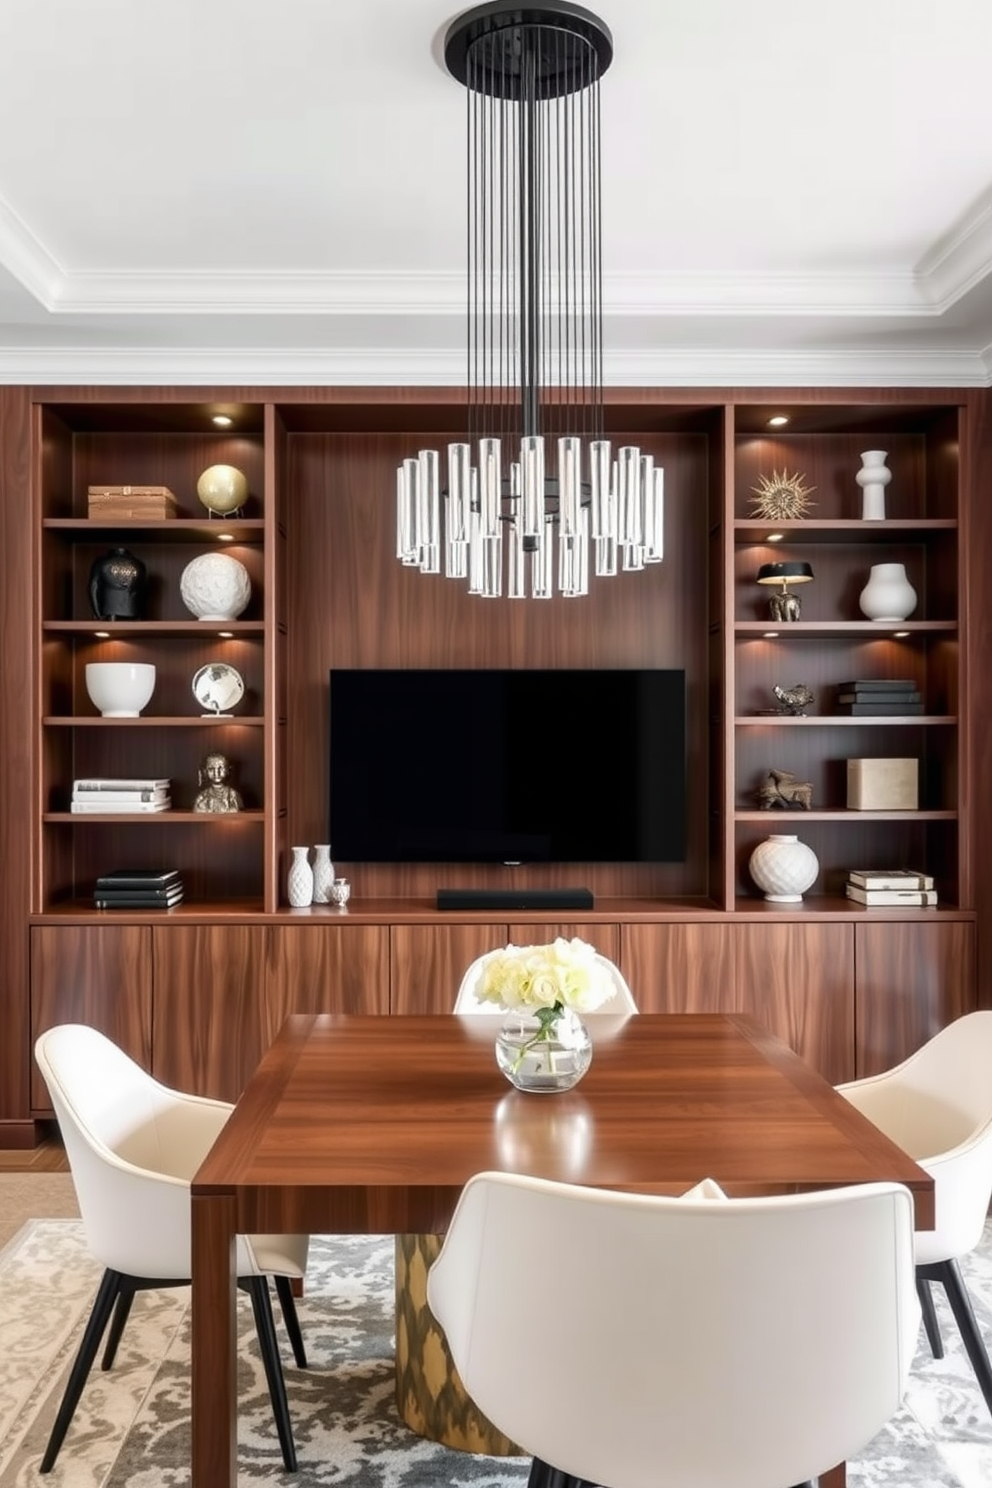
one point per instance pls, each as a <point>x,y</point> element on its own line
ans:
<point>514,899</point>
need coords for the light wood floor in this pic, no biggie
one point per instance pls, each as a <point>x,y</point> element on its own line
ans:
<point>48,1157</point>
<point>34,1184</point>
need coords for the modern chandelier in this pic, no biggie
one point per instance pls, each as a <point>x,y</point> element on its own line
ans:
<point>537,483</point>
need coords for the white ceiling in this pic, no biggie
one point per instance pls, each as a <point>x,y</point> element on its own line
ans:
<point>249,191</point>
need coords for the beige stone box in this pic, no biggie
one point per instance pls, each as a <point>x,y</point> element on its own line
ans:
<point>883,784</point>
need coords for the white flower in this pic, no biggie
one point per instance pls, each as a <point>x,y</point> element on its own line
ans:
<point>564,974</point>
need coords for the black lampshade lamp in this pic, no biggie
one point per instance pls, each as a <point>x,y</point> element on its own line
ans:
<point>784,605</point>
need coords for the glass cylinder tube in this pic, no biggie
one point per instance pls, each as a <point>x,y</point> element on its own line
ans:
<point>600,489</point>
<point>606,557</point>
<point>429,511</point>
<point>458,492</point>
<point>654,517</point>
<point>411,479</point>
<point>492,566</point>
<point>404,519</point>
<point>532,484</point>
<point>569,485</point>
<point>516,578</point>
<point>490,487</point>
<point>542,564</point>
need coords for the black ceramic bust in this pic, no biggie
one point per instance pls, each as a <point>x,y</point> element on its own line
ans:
<point>117,582</point>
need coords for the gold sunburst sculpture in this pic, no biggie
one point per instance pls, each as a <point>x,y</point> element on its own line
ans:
<point>784,498</point>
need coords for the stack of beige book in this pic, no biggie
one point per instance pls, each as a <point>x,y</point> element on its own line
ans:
<point>891,886</point>
<point>100,796</point>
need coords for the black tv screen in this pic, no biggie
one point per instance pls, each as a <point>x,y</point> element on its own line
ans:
<point>507,766</point>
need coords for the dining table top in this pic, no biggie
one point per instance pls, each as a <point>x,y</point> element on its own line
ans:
<point>373,1124</point>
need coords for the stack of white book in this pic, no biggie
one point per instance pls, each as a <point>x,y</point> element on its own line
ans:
<point>106,796</point>
<point>891,886</point>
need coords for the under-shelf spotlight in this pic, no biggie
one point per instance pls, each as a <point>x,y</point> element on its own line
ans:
<point>900,635</point>
<point>777,420</point>
<point>225,537</point>
<point>222,420</point>
<point>770,635</point>
<point>226,635</point>
<point>102,635</point>
<point>775,537</point>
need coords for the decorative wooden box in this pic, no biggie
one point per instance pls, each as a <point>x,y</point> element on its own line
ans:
<point>111,502</point>
<point>883,784</point>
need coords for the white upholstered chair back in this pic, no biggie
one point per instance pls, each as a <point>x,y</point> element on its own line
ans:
<point>751,1341</point>
<point>133,1147</point>
<point>937,1106</point>
<point>466,1001</point>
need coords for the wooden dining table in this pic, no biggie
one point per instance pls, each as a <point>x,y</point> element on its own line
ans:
<point>372,1125</point>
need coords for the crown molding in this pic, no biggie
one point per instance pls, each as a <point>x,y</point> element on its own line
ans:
<point>672,367</point>
<point>25,256</point>
<point>961,258</point>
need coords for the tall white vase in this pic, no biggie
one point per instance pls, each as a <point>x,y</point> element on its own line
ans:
<point>323,873</point>
<point>299,882</point>
<point>873,477</point>
<point>888,594</point>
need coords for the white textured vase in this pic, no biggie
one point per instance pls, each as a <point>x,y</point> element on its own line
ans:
<point>873,477</point>
<point>299,883</point>
<point>215,586</point>
<point>323,873</point>
<point>783,868</point>
<point>888,594</point>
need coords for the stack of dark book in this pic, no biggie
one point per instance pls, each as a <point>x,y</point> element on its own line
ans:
<point>139,888</point>
<point>892,886</point>
<point>877,695</point>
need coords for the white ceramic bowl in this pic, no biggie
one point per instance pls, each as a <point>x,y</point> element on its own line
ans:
<point>120,689</point>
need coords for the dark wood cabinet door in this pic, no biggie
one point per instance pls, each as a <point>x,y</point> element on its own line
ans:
<point>427,963</point>
<point>912,979</point>
<point>99,975</point>
<point>222,993</point>
<point>798,980</point>
<point>679,968</point>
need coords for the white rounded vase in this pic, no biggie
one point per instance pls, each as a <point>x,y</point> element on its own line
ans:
<point>783,868</point>
<point>323,873</point>
<point>215,587</point>
<point>873,477</point>
<point>888,594</point>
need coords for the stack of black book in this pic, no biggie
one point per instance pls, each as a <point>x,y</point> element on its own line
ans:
<point>876,695</point>
<point>139,888</point>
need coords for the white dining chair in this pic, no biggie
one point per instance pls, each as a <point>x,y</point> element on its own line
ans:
<point>937,1106</point>
<point>466,1000</point>
<point>133,1147</point>
<point>641,1342</point>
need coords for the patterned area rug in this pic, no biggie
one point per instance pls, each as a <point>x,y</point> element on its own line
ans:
<point>132,1426</point>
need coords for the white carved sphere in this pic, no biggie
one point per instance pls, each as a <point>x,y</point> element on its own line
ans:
<point>222,488</point>
<point>784,868</point>
<point>215,586</point>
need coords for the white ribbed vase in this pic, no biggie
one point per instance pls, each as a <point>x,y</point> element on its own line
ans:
<point>888,594</point>
<point>299,881</point>
<point>783,868</point>
<point>323,873</point>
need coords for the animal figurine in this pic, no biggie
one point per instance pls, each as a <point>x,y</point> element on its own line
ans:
<point>781,789</point>
<point>794,700</point>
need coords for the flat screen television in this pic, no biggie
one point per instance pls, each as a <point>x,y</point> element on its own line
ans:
<point>507,766</point>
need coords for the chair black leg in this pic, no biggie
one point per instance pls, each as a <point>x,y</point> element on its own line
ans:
<point>261,1304</point>
<point>949,1273</point>
<point>122,1311</point>
<point>110,1284</point>
<point>929,1317</point>
<point>543,1475</point>
<point>287,1302</point>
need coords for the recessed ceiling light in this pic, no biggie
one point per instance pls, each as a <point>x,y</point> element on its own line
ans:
<point>777,420</point>
<point>222,420</point>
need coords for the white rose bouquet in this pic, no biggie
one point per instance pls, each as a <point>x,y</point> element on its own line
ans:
<point>547,979</point>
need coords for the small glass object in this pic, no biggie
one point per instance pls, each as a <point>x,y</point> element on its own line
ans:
<point>541,1054</point>
<point>340,892</point>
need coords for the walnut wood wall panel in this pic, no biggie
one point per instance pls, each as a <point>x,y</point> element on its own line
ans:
<point>679,968</point>
<point>18,803</point>
<point>351,604</point>
<point>799,981</point>
<point>912,979</point>
<point>99,975</point>
<point>223,992</point>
